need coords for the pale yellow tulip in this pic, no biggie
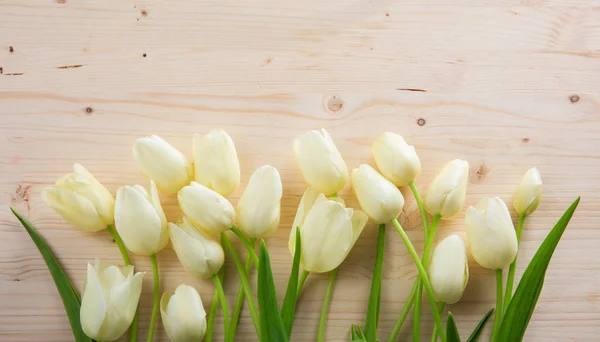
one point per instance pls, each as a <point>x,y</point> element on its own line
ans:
<point>183,314</point>
<point>206,208</point>
<point>449,270</point>
<point>216,162</point>
<point>447,192</point>
<point>529,192</point>
<point>378,197</point>
<point>396,160</point>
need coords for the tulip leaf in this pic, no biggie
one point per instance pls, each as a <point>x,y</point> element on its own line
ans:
<point>354,333</point>
<point>271,324</point>
<point>451,329</point>
<point>288,309</point>
<point>479,328</point>
<point>375,295</point>
<point>69,296</point>
<point>524,301</point>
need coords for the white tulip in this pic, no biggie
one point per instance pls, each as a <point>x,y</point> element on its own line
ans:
<point>446,194</point>
<point>396,160</point>
<point>378,197</point>
<point>109,301</point>
<point>140,220</point>
<point>529,192</point>
<point>491,234</point>
<point>449,269</point>
<point>81,200</point>
<point>320,161</point>
<point>163,163</point>
<point>216,162</point>
<point>199,253</point>
<point>259,208</point>
<point>183,314</point>
<point>206,208</point>
<point>328,231</point>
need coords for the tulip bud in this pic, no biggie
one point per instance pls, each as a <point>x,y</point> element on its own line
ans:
<point>81,200</point>
<point>446,194</point>
<point>321,163</point>
<point>206,208</point>
<point>163,163</point>
<point>378,197</point>
<point>449,270</point>
<point>491,234</point>
<point>109,301</point>
<point>328,231</point>
<point>396,160</point>
<point>216,162</point>
<point>258,209</point>
<point>529,192</point>
<point>200,254</point>
<point>140,220</point>
<point>183,315</point>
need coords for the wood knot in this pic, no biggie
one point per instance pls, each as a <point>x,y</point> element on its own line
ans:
<point>335,104</point>
<point>525,140</point>
<point>144,55</point>
<point>480,174</point>
<point>88,110</point>
<point>574,98</point>
<point>11,49</point>
<point>21,195</point>
<point>61,1</point>
<point>144,13</point>
<point>421,122</point>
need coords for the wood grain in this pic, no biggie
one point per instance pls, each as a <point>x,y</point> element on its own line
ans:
<point>506,85</point>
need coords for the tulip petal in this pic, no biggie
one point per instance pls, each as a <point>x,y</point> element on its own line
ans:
<point>199,254</point>
<point>206,207</point>
<point>216,162</point>
<point>95,192</point>
<point>308,200</point>
<point>77,210</point>
<point>359,221</point>
<point>93,305</point>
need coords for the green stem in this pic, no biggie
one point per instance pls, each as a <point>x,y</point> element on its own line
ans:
<point>434,335</point>
<point>302,280</point>
<point>239,301</point>
<point>498,314</point>
<point>425,259</point>
<point>404,313</point>
<point>113,232</point>
<point>156,297</point>
<point>373,309</point>
<point>511,270</point>
<point>245,286</point>
<point>325,309</point>
<point>421,207</point>
<point>224,305</point>
<point>424,278</point>
<point>213,310</point>
<point>249,245</point>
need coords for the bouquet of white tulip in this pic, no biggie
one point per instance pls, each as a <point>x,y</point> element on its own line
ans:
<point>323,233</point>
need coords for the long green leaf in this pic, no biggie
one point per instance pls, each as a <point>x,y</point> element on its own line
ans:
<point>288,309</point>
<point>68,294</point>
<point>374,297</point>
<point>271,324</point>
<point>451,329</point>
<point>525,299</point>
<point>479,328</point>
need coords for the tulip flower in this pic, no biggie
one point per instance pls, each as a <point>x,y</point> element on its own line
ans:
<point>378,197</point>
<point>447,192</point>
<point>216,162</point>
<point>206,208</point>
<point>396,160</point>
<point>140,220</point>
<point>258,209</point>
<point>328,231</point>
<point>109,301</point>
<point>200,254</point>
<point>449,270</point>
<point>321,163</point>
<point>81,200</point>
<point>529,192</point>
<point>163,163</point>
<point>183,314</point>
<point>491,234</point>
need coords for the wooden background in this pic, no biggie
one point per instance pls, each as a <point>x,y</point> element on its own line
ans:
<point>504,84</point>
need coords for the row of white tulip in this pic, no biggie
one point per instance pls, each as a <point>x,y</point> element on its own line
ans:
<point>328,228</point>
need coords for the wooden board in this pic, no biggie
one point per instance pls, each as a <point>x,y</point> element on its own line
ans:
<point>506,85</point>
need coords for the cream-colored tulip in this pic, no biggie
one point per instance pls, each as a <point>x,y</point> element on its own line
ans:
<point>328,231</point>
<point>216,162</point>
<point>183,314</point>
<point>396,160</point>
<point>163,163</point>
<point>140,220</point>
<point>109,301</point>
<point>449,269</point>
<point>491,234</point>
<point>446,194</point>
<point>81,200</point>
<point>320,161</point>
<point>206,208</point>
<point>378,197</point>
<point>529,192</point>
<point>199,253</point>
<point>259,208</point>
